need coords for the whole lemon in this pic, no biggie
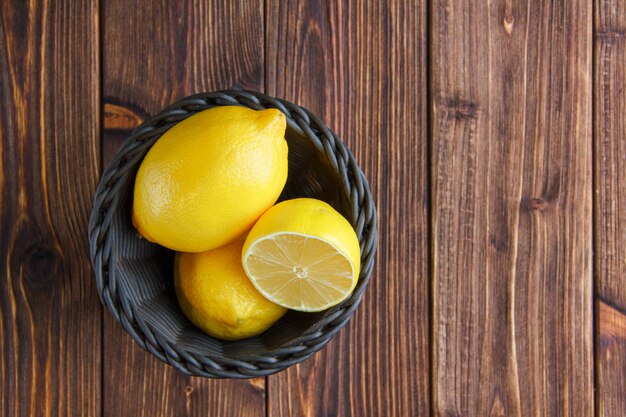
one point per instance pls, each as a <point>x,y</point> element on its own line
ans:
<point>209,178</point>
<point>217,296</point>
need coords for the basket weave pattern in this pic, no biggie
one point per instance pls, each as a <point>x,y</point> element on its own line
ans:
<point>133,275</point>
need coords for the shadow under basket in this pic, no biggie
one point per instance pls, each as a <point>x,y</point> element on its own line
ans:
<point>135,277</point>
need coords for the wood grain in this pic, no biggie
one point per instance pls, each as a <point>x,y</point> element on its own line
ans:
<point>155,53</point>
<point>610,203</point>
<point>611,368</point>
<point>50,316</point>
<point>480,155</point>
<point>361,66</point>
<point>179,48</point>
<point>511,215</point>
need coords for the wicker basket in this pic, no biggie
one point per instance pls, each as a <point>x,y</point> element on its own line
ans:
<point>134,276</point>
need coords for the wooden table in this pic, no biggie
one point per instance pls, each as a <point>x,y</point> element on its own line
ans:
<point>494,138</point>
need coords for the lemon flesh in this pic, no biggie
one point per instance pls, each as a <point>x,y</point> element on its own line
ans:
<point>302,255</point>
<point>208,179</point>
<point>216,295</point>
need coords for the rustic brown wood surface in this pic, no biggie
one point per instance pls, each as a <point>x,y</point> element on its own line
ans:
<point>610,204</point>
<point>185,49</point>
<point>362,69</point>
<point>494,138</point>
<point>512,181</point>
<point>50,318</point>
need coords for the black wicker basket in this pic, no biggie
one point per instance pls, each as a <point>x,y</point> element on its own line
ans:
<point>134,276</point>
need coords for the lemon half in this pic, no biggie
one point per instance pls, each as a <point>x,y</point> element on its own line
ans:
<point>303,255</point>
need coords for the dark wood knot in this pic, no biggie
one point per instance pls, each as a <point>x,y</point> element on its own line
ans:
<point>500,242</point>
<point>121,116</point>
<point>538,204</point>
<point>534,204</point>
<point>40,263</point>
<point>459,108</point>
<point>508,22</point>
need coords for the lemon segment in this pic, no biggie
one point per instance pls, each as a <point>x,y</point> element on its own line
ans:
<point>302,255</point>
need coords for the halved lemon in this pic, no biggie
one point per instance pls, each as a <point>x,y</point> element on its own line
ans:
<point>303,255</point>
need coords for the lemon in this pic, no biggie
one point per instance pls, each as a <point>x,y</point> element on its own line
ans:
<point>217,296</point>
<point>302,255</point>
<point>209,178</point>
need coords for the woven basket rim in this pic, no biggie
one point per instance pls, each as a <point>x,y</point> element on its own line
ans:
<point>106,201</point>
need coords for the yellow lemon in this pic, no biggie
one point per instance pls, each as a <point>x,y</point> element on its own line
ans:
<point>302,255</point>
<point>209,178</point>
<point>217,296</point>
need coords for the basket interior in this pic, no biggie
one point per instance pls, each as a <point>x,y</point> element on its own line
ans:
<point>143,271</point>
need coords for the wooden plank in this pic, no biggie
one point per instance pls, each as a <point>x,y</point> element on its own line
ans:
<point>50,316</point>
<point>610,203</point>
<point>178,48</point>
<point>360,66</point>
<point>511,215</point>
<point>611,368</point>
